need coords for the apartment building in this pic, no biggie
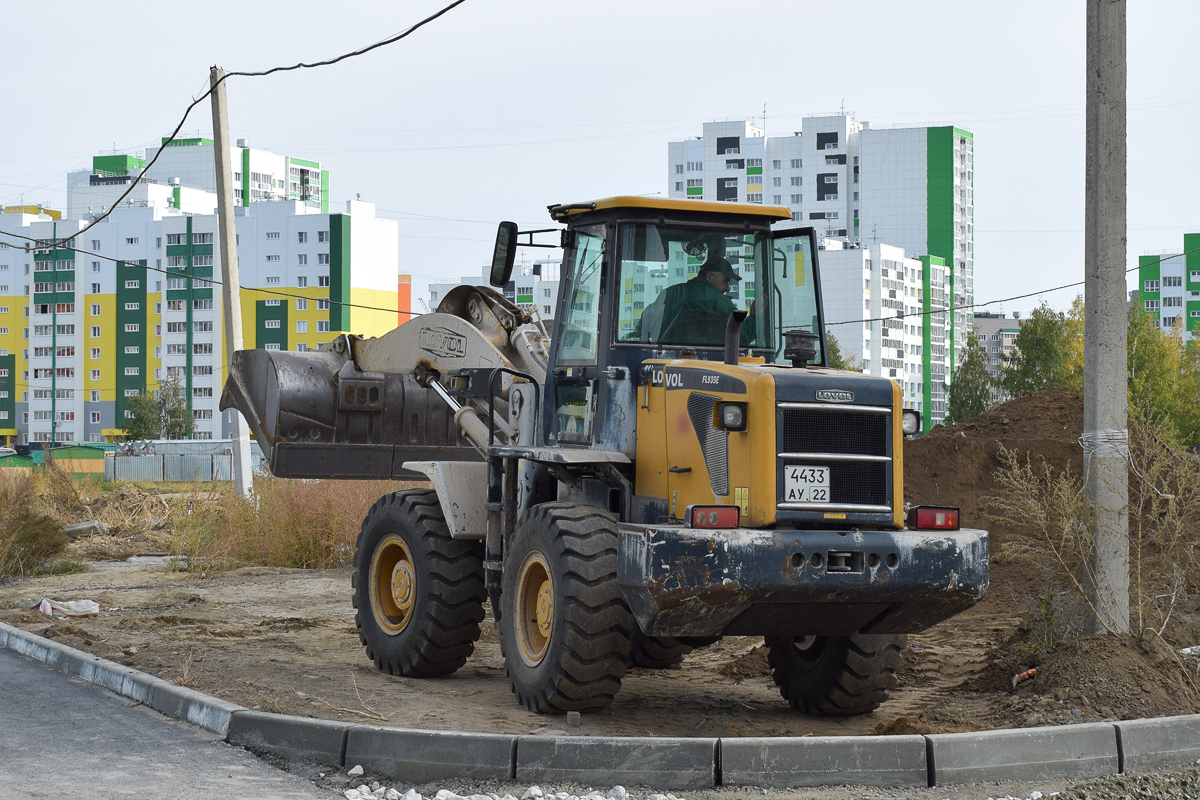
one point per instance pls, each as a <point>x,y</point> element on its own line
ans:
<point>109,313</point>
<point>1169,286</point>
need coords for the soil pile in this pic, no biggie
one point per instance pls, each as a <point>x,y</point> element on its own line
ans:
<point>953,465</point>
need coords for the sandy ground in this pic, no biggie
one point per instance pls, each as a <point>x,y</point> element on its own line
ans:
<point>284,641</point>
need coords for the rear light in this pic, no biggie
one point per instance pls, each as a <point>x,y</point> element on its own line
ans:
<point>713,516</point>
<point>934,518</point>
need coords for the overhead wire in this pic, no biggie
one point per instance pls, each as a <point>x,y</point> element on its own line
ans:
<point>303,65</point>
<point>951,309</point>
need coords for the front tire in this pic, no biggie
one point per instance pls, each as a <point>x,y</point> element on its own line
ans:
<point>835,675</point>
<point>565,627</point>
<point>418,593</point>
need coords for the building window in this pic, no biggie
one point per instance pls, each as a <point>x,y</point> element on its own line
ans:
<point>694,183</point>
<point>322,236</point>
<point>272,280</point>
<point>131,327</point>
<point>302,259</point>
<point>132,370</point>
<point>274,301</point>
<point>322,305</point>
<point>271,323</point>
<point>322,326</point>
<point>271,346</point>
<point>132,306</point>
<point>302,282</point>
<point>797,163</point>
<point>272,234</point>
<point>131,240</point>
<point>322,280</point>
<point>796,198</point>
<point>302,237</point>
<point>1150,286</point>
<point>679,169</point>
<point>301,304</point>
<point>301,326</point>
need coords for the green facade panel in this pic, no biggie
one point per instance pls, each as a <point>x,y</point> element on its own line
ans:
<point>126,338</point>
<point>246,176</point>
<point>8,390</point>
<point>324,191</point>
<point>339,272</point>
<point>264,335</point>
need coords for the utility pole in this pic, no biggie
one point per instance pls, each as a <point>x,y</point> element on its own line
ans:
<point>243,478</point>
<point>1105,407</point>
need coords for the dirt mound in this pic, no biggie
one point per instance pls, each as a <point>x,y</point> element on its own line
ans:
<point>1103,677</point>
<point>954,464</point>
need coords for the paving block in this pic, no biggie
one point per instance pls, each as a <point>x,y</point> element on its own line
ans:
<point>1162,742</point>
<point>295,738</point>
<point>824,761</point>
<point>662,762</point>
<point>415,756</point>
<point>1029,754</point>
<point>191,706</point>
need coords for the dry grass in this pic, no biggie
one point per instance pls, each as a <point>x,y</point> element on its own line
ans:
<point>287,523</point>
<point>1049,517</point>
<point>29,537</point>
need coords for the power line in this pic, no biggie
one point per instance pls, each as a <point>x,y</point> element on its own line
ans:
<point>166,142</point>
<point>1004,299</point>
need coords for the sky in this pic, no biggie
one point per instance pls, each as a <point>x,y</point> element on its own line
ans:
<point>498,109</point>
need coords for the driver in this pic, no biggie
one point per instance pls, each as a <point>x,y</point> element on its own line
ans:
<point>702,295</point>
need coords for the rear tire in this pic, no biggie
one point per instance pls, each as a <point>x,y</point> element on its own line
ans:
<point>418,593</point>
<point>565,626</point>
<point>661,652</point>
<point>835,675</point>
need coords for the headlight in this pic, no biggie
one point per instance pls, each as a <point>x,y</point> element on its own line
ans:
<point>910,421</point>
<point>732,416</point>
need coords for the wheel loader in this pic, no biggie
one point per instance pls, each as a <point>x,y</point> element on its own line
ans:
<point>671,462</point>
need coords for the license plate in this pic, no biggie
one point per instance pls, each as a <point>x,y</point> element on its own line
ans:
<point>806,484</point>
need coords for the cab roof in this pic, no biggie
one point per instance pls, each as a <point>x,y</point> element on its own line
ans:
<point>559,213</point>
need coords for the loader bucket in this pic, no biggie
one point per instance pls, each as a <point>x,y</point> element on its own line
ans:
<point>316,415</point>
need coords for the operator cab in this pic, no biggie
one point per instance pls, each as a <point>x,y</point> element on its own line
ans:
<point>647,278</point>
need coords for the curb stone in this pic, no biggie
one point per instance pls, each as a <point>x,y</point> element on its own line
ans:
<point>824,761</point>
<point>419,756</point>
<point>629,761</point>
<point>1162,742</point>
<point>422,756</point>
<point>294,738</point>
<point>1064,751</point>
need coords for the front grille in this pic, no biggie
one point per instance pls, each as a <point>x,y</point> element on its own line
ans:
<point>812,430</point>
<point>855,444</point>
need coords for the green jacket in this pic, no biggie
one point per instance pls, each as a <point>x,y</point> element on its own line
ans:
<point>699,304</point>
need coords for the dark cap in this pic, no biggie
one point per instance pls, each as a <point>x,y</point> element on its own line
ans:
<point>722,266</point>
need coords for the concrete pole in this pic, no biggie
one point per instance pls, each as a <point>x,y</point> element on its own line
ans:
<point>243,477</point>
<point>1105,411</point>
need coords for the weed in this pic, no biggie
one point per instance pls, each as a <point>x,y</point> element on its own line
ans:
<point>28,537</point>
<point>286,523</point>
<point>1051,616</point>
<point>65,566</point>
<point>1048,518</point>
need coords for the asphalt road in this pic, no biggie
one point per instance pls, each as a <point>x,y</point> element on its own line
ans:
<point>60,737</point>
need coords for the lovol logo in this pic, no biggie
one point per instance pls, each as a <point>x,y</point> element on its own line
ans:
<point>443,342</point>
<point>835,395</point>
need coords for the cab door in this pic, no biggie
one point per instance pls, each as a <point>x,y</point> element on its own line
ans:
<point>576,343</point>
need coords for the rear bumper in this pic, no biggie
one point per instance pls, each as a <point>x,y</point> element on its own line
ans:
<point>693,582</point>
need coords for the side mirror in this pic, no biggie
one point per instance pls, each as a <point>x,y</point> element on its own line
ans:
<point>505,254</point>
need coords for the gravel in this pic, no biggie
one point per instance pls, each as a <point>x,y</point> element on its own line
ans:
<point>1183,784</point>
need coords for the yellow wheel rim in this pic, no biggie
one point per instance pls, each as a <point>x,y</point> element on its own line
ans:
<point>393,584</point>
<point>534,608</point>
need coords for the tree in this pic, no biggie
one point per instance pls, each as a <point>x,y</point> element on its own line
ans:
<point>971,393</point>
<point>835,358</point>
<point>1039,356</point>
<point>164,414</point>
<point>1073,341</point>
